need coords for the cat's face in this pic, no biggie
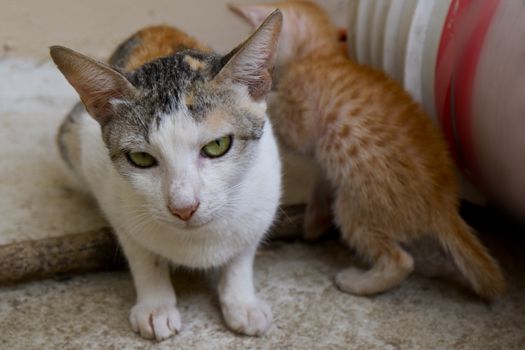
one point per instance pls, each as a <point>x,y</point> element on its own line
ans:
<point>184,129</point>
<point>305,26</point>
<point>198,144</point>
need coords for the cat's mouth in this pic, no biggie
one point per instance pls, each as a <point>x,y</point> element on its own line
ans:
<point>192,224</point>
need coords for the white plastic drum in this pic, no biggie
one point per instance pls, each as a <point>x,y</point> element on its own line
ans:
<point>399,18</point>
<point>415,46</point>
<point>365,11</point>
<point>463,60</point>
<point>378,32</point>
<point>430,52</point>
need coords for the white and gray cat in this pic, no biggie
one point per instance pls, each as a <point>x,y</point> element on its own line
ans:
<point>182,160</point>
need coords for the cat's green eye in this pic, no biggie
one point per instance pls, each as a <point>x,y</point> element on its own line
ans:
<point>141,159</point>
<point>218,147</point>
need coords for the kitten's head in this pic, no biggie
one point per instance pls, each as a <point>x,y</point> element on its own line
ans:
<point>183,129</point>
<point>306,27</point>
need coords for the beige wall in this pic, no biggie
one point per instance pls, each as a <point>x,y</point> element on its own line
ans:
<point>28,27</point>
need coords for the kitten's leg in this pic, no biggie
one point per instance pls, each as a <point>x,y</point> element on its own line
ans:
<point>155,315</point>
<point>391,263</point>
<point>242,311</point>
<point>318,218</point>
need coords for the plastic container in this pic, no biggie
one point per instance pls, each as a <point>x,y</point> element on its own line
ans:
<point>463,60</point>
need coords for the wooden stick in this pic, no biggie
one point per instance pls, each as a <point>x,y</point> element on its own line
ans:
<point>52,257</point>
<point>94,251</point>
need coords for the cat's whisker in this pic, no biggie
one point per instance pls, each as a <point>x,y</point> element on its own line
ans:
<point>284,213</point>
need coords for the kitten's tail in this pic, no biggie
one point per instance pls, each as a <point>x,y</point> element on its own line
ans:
<point>473,259</point>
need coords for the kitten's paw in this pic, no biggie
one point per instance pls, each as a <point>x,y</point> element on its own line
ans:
<point>250,319</point>
<point>379,279</point>
<point>352,280</point>
<point>155,321</point>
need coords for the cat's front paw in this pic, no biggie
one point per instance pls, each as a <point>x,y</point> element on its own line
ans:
<point>155,321</point>
<point>250,318</point>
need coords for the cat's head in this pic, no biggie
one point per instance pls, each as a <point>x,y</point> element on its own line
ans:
<point>306,27</point>
<point>183,129</point>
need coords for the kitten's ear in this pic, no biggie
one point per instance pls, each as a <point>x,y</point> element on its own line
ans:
<point>254,14</point>
<point>251,62</point>
<point>97,84</point>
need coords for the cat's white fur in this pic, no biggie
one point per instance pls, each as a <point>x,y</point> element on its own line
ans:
<point>225,230</point>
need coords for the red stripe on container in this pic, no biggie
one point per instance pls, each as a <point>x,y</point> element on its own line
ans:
<point>462,38</point>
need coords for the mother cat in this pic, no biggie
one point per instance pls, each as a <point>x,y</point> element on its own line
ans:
<point>182,160</point>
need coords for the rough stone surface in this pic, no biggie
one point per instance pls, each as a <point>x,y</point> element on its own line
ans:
<point>433,309</point>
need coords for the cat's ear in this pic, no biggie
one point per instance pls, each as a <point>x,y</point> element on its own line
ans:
<point>97,84</point>
<point>251,62</point>
<point>254,14</point>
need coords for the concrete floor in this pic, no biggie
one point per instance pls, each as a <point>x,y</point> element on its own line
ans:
<point>433,309</point>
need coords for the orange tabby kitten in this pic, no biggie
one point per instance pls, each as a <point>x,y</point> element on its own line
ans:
<point>151,43</point>
<point>388,178</point>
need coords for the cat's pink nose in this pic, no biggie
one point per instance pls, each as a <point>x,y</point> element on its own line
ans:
<point>184,213</point>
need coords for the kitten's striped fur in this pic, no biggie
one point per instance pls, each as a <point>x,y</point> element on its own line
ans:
<point>387,171</point>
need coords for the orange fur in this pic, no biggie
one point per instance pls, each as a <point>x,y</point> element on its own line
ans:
<point>158,41</point>
<point>388,164</point>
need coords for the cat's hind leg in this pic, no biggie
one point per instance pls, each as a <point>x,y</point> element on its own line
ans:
<point>391,264</point>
